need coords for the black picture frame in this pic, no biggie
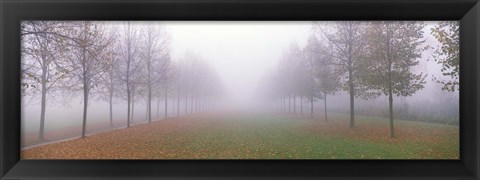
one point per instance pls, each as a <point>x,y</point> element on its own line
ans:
<point>13,11</point>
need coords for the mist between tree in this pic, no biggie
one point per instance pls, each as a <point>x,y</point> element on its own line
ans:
<point>83,77</point>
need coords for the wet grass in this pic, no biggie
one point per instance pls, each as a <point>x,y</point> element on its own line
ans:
<point>262,136</point>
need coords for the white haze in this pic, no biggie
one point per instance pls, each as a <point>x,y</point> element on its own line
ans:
<point>242,53</point>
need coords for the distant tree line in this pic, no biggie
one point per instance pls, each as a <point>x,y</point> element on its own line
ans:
<point>365,59</point>
<point>122,60</point>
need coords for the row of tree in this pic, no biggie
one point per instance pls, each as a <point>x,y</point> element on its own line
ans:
<point>123,60</point>
<point>365,59</point>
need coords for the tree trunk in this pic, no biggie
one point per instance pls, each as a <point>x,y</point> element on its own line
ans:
<point>311,106</point>
<point>325,106</point>
<point>352,100</point>
<point>149,105</point>
<point>301,105</point>
<point>178,102</point>
<point>390,91</point>
<point>191,104</point>
<point>289,103</point>
<point>128,76</point>
<point>166,102</point>
<point>85,107</point>
<point>158,107</point>
<point>390,108</point>
<point>133,107</point>
<point>294,104</point>
<point>186,104</point>
<point>86,88</point>
<point>111,109</point>
<point>196,103</point>
<point>128,105</point>
<point>44,99</point>
<point>146,114</point>
<point>350,69</point>
<point>173,106</point>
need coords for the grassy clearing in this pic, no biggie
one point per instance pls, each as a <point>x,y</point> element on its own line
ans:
<point>261,136</point>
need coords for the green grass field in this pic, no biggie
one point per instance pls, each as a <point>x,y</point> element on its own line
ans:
<point>261,136</point>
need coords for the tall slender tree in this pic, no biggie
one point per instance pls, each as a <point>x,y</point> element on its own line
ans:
<point>394,47</point>
<point>43,68</point>
<point>108,80</point>
<point>156,47</point>
<point>86,63</point>
<point>326,79</point>
<point>130,64</point>
<point>345,45</point>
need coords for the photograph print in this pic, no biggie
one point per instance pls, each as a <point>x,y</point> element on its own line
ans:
<point>155,90</point>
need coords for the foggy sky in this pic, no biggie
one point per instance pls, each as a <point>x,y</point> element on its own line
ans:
<point>241,52</point>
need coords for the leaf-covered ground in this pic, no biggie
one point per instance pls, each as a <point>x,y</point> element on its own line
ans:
<point>261,136</point>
